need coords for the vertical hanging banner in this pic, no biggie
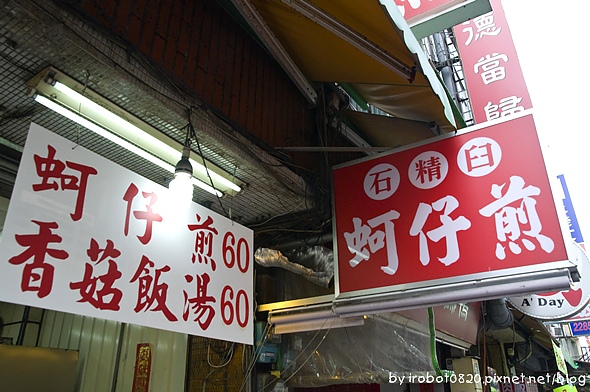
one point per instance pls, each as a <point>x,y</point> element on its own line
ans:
<point>559,359</point>
<point>86,236</point>
<point>461,209</point>
<point>492,71</point>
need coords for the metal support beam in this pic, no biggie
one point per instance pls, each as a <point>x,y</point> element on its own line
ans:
<point>257,23</point>
<point>335,149</point>
<point>353,37</point>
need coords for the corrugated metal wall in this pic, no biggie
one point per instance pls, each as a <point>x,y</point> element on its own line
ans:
<point>168,358</point>
<point>97,341</point>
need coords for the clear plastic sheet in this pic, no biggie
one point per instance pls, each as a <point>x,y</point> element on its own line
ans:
<point>385,346</point>
<point>372,353</point>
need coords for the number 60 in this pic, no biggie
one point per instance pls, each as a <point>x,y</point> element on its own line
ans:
<point>232,251</point>
<point>229,309</point>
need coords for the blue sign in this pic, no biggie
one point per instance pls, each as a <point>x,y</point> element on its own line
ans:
<point>574,227</point>
<point>580,328</point>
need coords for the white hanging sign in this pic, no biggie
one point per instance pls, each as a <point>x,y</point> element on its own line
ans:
<point>86,236</point>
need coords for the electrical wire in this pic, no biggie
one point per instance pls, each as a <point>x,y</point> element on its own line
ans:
<point>255,356</point>
<point>308,357</point>
<point>308,344</point>
<point>261,345</point>
<point>194,135</point>
<point>294,361</point>
<point>229,354</point>
<point>262,164</point>
<point>205,379</point>
<point>15,63</point>
<point>226,357</point>
<point>229,127</point>
<point>354,353</point>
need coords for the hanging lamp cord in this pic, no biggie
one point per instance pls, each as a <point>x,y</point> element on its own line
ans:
<point>192,134</point>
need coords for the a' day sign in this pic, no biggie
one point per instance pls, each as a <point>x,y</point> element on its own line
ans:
<point>86,236</point>
<point>559,305</point>
<point>462,208</point>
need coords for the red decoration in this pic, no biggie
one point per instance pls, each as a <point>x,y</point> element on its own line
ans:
<point>143,366</point>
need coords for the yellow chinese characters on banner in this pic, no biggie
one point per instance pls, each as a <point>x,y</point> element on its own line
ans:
<point>143,365</point>
<point>561,366</point>
<point>566,388</point>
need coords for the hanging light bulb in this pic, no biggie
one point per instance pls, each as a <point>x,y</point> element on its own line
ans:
<point>181,186</point>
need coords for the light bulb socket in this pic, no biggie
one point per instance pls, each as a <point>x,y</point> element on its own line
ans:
<point>50,78</point>
<point>184,166</point>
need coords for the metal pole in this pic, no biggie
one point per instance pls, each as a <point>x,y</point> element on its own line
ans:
<point>442,54</point>
<point>118,357</point>
<point>23,326</point>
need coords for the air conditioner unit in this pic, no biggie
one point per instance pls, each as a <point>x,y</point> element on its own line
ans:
<point>557,331</point>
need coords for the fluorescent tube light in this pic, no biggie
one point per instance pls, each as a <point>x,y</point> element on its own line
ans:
<point>535,282</point>
<point>329,312</point>
<point>116,139</point>
<point>311,321</point>
<point>59,92</point>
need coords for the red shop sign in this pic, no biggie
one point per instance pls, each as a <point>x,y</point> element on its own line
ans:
<point>490,64</point>
<point>464,207</point>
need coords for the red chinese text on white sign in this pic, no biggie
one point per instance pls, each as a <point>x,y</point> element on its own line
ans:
<point>86,236</point>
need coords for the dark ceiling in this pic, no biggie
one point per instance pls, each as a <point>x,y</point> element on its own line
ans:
<point>34,34</point>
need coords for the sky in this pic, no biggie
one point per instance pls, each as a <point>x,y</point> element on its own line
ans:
<point>551,42</point>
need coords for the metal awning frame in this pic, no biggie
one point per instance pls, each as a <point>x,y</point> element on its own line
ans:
<point>353,37</point>
<point>257,23</point>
